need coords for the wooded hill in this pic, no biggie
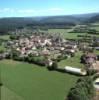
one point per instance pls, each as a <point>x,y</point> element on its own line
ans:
<point>12,23</point>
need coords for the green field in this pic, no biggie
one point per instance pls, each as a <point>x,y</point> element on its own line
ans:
<point>65,33</point>
<point>95,26</point>
<point>2,47</point>
<point>5,37</point>
<point>32,82</point>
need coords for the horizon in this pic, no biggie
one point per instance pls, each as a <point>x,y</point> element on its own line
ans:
<point>31,8</point>
<point>49,15</point>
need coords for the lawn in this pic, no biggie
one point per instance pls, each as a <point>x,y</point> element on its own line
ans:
<point>74,61</point>
<point>32,82</point>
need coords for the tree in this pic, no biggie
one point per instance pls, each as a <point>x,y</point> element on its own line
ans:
<point>15,54</point>
<point>92,31</point>
<point>14,37</point>
<point>77,94</point>
<point>53,66</point>
<point>84,90</point>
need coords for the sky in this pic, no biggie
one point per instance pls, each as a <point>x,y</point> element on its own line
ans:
<point>28,8</point>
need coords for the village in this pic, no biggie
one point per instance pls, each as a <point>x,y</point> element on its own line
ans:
<point>45,49</point>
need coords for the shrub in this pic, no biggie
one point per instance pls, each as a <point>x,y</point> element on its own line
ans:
<point>54,66</point>
<point>84,90</point>
<point>37,60</point>
<point>91,71</point>
<point>61,57</point>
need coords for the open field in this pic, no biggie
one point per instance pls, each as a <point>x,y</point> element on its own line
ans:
<point>2,47</point>
<point>95,26</point>
<point>32,82</point>
<point>65,34</point>
<point>7,94</point>
<point>74,61</point>
<point>5,37</point>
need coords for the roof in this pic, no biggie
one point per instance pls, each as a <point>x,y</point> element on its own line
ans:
<point>91,55</point>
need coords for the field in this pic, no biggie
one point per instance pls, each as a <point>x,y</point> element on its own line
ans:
<point>32,82</point>
<point>5,37</point>
<point>65,33</point>
<point>95,26</point>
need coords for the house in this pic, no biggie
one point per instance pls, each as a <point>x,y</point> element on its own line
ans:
<point>88,58</point>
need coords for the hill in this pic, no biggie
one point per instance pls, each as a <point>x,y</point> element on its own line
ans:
<point>11,23</point>
<point>94,19</point>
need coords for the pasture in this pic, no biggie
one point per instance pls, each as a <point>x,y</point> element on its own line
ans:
<point>65,33</point>
<point>5,37</point>
<point>23,81</point>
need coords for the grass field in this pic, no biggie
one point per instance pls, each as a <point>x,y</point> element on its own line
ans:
<point>95,26</point>
<point>7,94</point>
<point>32,82</point>
<point>65,34</point>
<point>5,37</point>
<point>75,61</point>
<point>2,47</point>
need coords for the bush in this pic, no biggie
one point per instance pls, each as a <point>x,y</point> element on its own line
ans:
<point>61,57</point>
<point>8,56</point>
<point>54,66</point>
<point>91,71</point>
<point>84,90</point>
<point>37,60</point>
<point>14,37</point>
<point>1,83</point>
<point>1,51</point>
<point>72,54</point>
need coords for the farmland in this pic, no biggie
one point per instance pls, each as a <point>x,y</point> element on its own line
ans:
<point>65,32</point>
<point>32,82</point>
<point>5,37</point>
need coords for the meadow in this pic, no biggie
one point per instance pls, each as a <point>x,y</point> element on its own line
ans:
<point>5,37</point>
<point>23,81</point>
